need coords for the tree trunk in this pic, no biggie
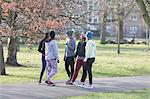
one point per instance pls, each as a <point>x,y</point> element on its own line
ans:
<point>2,65</point>
<point>17,43</point>
<point>144,12</point>
<point>12,53</point>
<point>103,29</point>
<point>119,34</point>
<point>121,29</point>
<point>8,41</point>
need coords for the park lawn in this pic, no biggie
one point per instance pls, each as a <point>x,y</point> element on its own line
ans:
<point>133,60</point>
<point>138,94</point>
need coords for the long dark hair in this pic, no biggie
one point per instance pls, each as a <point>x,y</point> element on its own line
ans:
<point>52,35</point>
<point>46,35</point>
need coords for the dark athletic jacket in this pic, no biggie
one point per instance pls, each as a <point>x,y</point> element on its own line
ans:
<point>41,48</point>
<point>80,49</point>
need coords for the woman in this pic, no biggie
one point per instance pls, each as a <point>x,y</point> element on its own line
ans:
<point>51,57</point>
<point>89,60</point>
<point>80,55</point>
<point>41,49</point>
<point>69,55</point>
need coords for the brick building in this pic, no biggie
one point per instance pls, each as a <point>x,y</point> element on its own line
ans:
<point>133,25</point>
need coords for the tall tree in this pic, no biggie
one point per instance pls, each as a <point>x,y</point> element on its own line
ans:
<point>123,8</point>
<point>120,9</point>
<point>103,28</point>
<point>144,10</point>
<point>2,65</point>
<point>26,17</point>
<point>12,45</point>
<point>32,17</point>
<point>110,7</point>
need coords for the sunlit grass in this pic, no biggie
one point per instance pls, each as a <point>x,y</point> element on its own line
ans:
<point>139,94</point>
<point>133,60</point>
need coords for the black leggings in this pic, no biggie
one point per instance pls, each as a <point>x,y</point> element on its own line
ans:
<point>69,62</point>
<point>43,67</point>
<point>87,67</point>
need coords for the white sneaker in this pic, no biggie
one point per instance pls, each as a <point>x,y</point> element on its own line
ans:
<point>88,86</point>
<point>81,85</point>
<point>75,84</point>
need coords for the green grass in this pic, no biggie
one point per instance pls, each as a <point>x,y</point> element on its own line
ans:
<point>133,60</point>
<point>139,94</point>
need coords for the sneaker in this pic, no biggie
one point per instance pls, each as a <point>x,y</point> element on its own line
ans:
<point>75,84</point>
<point>88,86</point>
<point>39,82</point>
<point>70,83</point>
<point>81,85</point>
<point>49,83</point>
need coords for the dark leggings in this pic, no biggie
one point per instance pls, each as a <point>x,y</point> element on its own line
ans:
<point>87,67</point>
<point>69,62</point>
<point>43,67</point>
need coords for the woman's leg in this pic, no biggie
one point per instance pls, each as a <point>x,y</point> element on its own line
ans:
<point>89,68</point>
<point>84,74</point>
<point>54,68</point>
<point>67,67</point>
<point>72,66</point>
<point>90,73</point>
<point>78,66</point>
<point>49,69</point>
<point>43,68</point>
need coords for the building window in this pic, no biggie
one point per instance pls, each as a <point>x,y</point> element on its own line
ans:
<point>90,20</point>
<point>108,29</point>
<point>133,30</point>
<point>95,20</point>
<point>90,7</point>
<point>134,17</point>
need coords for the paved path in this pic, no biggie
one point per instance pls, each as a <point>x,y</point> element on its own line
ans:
<point>42,91</point>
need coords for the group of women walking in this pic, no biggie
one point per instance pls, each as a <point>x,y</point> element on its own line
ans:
<point>83,55</point>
